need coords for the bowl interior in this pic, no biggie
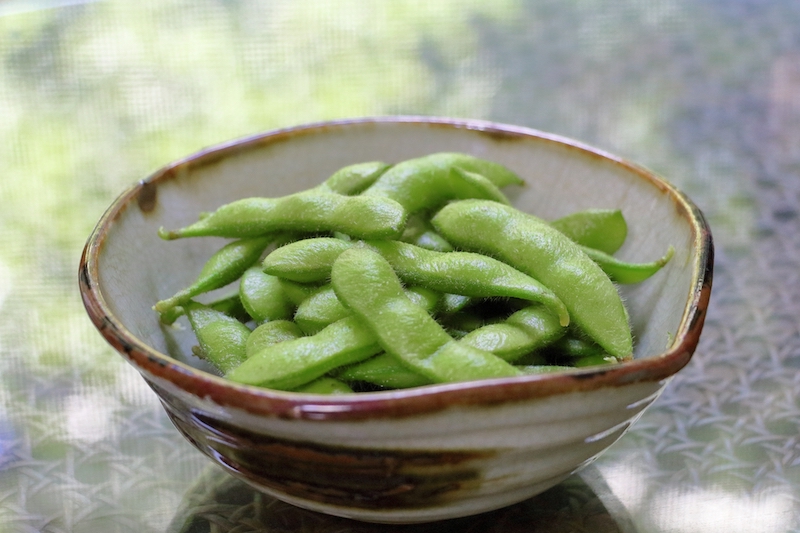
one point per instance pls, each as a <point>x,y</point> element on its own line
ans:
<point>136,268</point>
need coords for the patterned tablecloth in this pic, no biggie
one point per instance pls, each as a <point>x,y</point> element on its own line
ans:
<point>94,96</point>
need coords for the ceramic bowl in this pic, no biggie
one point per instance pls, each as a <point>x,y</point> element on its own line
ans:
<point>420,454</point>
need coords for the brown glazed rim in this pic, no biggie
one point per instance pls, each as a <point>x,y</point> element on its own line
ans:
<point>160,368</point>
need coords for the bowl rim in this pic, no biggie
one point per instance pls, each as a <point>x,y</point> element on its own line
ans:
<point>163,371</point>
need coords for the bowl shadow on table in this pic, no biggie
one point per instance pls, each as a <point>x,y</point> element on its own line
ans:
<point>220,503</point>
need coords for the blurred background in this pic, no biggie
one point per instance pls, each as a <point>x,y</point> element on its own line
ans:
<point>94,96</point>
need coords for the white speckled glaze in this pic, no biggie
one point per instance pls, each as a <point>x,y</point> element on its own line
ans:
<point>421,454</point>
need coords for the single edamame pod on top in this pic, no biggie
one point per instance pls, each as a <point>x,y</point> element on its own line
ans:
<point>534,247</point>
<point>309,211</point>
<point>224,267</point>
<point>429,181</point>
<point>222,338</point>
<point>353,179</point>
<point>601,229</point>
<point>365,282</point>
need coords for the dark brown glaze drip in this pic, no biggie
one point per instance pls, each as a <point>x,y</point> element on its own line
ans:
<point>147,197</point>
<point>334,475</point>
<point>500,135</point>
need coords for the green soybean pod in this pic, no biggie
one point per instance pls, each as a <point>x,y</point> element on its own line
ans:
<point>385,371</point>
<point>319,311</point>
<point>534,247</point>
<point>426,182</point>
<point>365,282</point>
<point>466,273</point>
<point>293,363</point>
<point>224,267</point>
<point>222,339</point>
<point>523,332</point>
<point>305,261</point>
<point>625,272</point>
<point>270,333</point>
<point>263,296</point>
<point>309,211</point>
<point>231,305</point>
<point>601,229</point>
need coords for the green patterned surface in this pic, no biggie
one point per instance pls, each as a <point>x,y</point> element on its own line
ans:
<point>95,96</point>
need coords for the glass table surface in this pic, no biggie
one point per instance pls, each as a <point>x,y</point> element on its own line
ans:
<point>94,96</point>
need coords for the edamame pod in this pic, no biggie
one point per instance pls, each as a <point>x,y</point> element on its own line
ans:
<point>385,371</point>
<point>526,330</point>
<point>263,296</point>
<point>230,305</point>
<point>293,363</point>
<point>305,261</point>
<point>429,181</point>
<point>523,332</point>
<point>364,217</point>
<point>625,272</point>
<point>466,273</point>
<point>365,282</point>
<point>534,247</point>
<point>224,267</point>
<point>222,339</point>
<point>270,333</point>
<point>319,311</point>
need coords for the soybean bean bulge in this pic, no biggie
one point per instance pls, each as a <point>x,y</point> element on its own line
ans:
<point>406,274</point>
<point>536,248</point>
<point>365,217</point>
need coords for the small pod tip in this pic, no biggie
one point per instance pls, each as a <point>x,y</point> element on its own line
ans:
<point>162,306</point>
<point>169,316</point>
<point>167,235</point>
<point>670,252</point>
<point>563,317</point>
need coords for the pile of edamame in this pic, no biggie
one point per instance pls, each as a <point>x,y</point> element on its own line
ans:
<point>394,276</point>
